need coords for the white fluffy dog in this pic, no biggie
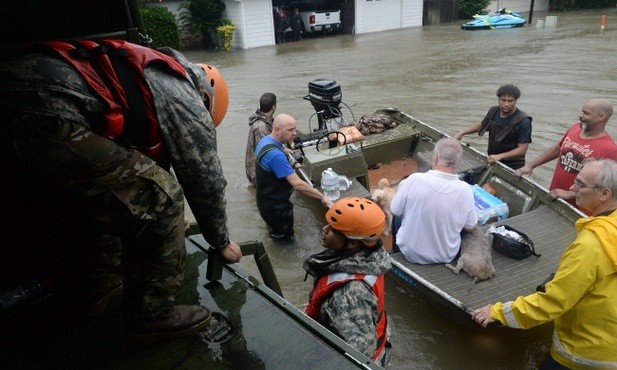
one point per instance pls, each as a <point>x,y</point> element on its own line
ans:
<point>475,258</point>
<point>383,197</point>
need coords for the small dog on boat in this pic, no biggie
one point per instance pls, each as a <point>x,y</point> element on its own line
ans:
<point>475,258</point>
<point>383,197</point>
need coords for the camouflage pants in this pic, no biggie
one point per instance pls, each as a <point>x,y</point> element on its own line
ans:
<point>122,191</point>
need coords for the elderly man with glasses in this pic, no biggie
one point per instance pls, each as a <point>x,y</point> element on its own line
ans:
<point>581,299</point>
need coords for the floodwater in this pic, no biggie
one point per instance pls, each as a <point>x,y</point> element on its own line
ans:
<point>446,77</point>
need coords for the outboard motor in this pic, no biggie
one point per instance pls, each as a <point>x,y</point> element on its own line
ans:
<point>326,97</point>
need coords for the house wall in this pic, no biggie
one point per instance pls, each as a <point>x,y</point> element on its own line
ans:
<point>255,28</point>
<point>411,13</point>
<point>252,18</point>
<point>254,22</point>
<point>381,15</point>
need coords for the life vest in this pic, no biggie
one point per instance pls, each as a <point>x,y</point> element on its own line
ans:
<point>503,138</point>
<point>327,284</point>
<point>113,69</point>
<point>518,116</point>
<point>273,194</point>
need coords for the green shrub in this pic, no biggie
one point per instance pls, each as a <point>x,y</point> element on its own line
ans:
<point>161,26</point>
<point>468,8</point>
<point>204,16</point>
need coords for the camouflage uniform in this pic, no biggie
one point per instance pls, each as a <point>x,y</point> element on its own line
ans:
<point>351,311</point>
<point>48,110</point>
<point>260,126</point>
<point>374,124</point>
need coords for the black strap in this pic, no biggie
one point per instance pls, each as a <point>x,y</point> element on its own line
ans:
<point>263,151</point>
<point>487,119</point>
<point>136,127</point>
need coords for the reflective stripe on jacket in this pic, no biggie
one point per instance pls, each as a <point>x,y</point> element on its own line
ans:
<point>581,299</point>
<point>327,284</point>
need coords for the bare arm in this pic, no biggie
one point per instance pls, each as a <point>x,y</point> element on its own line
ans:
<point>469,130</point>
<point>521,149</point>
<point>306,189</point>
<point>548,155</point>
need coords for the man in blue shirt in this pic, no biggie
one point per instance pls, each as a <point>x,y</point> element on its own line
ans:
<point>276,179</point>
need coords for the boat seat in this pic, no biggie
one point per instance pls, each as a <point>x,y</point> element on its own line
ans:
<point>469,164</point>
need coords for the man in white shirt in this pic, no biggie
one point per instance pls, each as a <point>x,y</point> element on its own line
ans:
<point>433,208</point>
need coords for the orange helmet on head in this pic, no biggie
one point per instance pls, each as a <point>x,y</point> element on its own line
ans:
<point>216,96</point>
<point>357,218</point>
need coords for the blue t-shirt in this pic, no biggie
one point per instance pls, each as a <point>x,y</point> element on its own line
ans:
<point>274,160</point>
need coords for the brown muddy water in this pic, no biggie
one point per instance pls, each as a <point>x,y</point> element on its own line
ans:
<point>446,77</point>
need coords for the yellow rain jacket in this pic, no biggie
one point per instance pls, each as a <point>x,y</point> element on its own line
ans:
<point>581,299</point>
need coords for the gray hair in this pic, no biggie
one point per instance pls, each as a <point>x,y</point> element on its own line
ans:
<point>607,174</point>
<point>449,152</point>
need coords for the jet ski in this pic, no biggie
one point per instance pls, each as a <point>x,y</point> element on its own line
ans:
<point>503,18</point>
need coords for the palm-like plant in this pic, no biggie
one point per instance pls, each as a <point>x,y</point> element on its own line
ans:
<point>203,16</point>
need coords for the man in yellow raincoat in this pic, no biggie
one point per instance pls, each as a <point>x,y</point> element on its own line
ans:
<point>582,297</point>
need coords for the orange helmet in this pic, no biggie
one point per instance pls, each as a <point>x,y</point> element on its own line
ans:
<point>216,96</point>
<point>357,218</point>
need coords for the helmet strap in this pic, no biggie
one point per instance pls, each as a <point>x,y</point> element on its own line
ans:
<point>351,245</point>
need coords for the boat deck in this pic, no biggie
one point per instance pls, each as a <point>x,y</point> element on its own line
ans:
<point>266,333</point>
<point>409,148</point>
<point>551,233</point>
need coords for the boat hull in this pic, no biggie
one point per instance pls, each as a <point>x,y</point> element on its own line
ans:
<point>472,27</point>
<point>549,223</point>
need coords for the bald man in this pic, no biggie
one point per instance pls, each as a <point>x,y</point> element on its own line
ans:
<point>276,179</point>
<point>587,138</point>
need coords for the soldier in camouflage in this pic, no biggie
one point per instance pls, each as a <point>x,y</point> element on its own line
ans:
<point>348,294</point>
<point>48,113</point>
<point>260,125</point>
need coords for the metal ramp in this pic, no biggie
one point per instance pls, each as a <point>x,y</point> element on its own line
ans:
<point>265,331</point>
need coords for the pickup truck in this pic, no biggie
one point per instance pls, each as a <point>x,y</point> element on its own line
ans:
<point>325,21</point>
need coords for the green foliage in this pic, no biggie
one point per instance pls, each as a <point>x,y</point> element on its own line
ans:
<point>581,4</point>
<point>468,8</point>
<point>203,17</point>
<point>161,26</point>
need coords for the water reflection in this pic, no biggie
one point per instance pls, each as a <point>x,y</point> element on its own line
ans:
<point>448,78</point>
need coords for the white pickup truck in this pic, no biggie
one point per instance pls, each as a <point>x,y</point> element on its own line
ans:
<point>325,21</point>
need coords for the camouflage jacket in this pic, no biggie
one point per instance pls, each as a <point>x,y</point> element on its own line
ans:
<point>352,310</point>
<point>260,125</point>
<point>43,86</point>
<point>190,139</point>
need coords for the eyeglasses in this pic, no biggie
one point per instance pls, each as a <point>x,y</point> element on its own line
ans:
<point>578,184</point>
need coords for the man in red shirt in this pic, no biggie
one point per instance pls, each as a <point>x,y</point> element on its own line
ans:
<point>587,138</point>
